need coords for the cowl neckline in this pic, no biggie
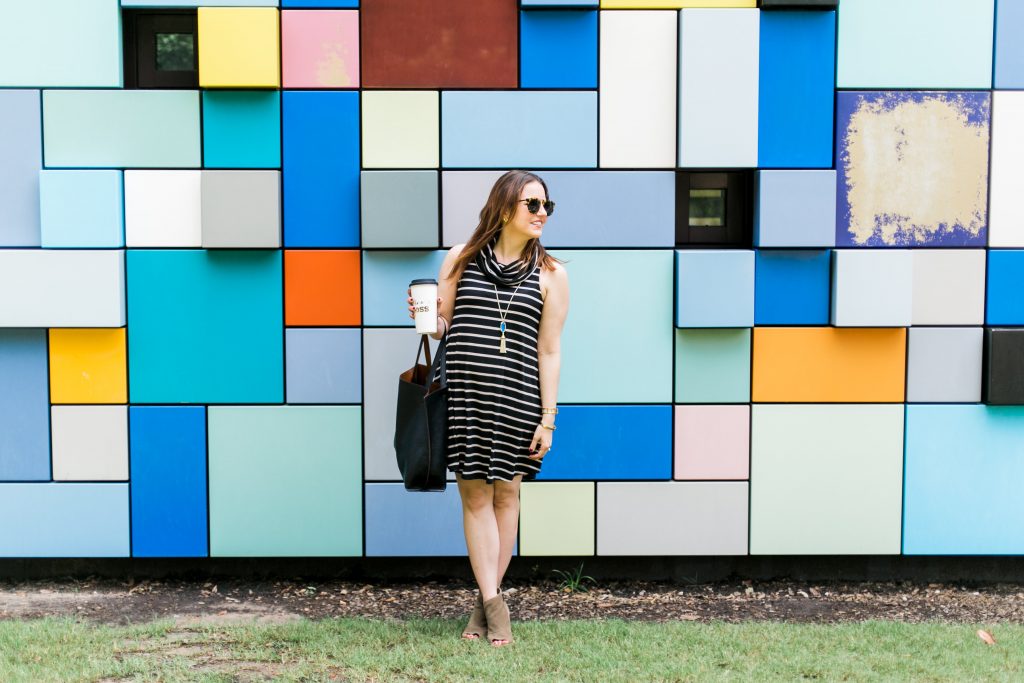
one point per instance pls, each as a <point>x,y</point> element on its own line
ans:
<point>508,274</point>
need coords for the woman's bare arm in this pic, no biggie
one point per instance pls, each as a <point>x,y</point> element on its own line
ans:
<point>549,353</point>
<point>446,291</point>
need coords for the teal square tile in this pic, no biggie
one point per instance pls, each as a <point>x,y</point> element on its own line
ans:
<point>205,326</point>
<point>241,129</point>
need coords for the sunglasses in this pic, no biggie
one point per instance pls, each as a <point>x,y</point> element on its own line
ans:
<point>533,205</point>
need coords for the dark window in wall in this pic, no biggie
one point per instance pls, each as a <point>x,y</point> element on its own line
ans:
<point>160,49</point>
<point>714,209</point>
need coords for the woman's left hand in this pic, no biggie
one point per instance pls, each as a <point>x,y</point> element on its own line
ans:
<point>541,443</point>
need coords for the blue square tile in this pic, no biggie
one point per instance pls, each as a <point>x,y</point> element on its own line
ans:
<point>797,88</point>
<point>320,171</point>
<point>1004,305</point>
<point>558,49</point>
<point>594,442</point>
<point>792,287</point>
<point>168,487</point>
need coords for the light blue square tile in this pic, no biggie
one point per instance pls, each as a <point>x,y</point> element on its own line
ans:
<point>386,278</point>
<point>714,288</point>
<point>24,406</point>
<point>323,365</point>
<point>1009,46</point>
<point>915,44</point>
<point>584,218</point>
<point>518,129</point>
<point>617,341</point>
<point>64,520</point>
<point>20,161</point>
<point>81,208</point>
<point>389,509</point>
<point>795,209</point>
<point>962,480</point>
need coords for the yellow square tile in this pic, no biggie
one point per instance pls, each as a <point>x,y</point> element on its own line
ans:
<point>88,366</point>
<point>239,47</point>
<point>400,129</point>
<point>556,518</point>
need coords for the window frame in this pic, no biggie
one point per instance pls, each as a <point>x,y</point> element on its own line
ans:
<point>737,231</point>
<point>140,27</point>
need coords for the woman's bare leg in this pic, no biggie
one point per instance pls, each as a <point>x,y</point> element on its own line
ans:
<point>506,512</point>
<point>481,529</point>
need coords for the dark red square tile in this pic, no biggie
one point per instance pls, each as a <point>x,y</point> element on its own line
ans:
<point>439,43</point>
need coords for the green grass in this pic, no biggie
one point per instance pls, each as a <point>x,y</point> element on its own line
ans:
<point>366,650</point>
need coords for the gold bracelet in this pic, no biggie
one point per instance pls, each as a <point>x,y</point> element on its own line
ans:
<point>549,411</point>
<point>551,427</point>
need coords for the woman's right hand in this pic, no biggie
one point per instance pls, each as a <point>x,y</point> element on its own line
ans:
<point>412,309</point>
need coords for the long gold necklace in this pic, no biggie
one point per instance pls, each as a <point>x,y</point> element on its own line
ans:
<point>501,345</point>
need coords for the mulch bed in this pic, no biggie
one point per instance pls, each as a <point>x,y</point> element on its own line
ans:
<point>128,602</point>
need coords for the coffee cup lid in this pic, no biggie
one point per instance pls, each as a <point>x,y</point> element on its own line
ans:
<point>423,281</point>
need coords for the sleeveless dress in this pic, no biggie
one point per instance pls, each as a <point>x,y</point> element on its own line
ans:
<point>494,403</point>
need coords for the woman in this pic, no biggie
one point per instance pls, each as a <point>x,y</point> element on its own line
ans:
<point>502,300</point>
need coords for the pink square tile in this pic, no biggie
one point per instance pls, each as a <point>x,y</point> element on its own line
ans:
<point>712,442</point>
<point>320,48</point>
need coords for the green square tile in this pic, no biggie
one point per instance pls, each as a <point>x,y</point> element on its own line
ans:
<point>713,366</point>
<point>557,518</point>
<point>826,479</point>
<point>285,481</point>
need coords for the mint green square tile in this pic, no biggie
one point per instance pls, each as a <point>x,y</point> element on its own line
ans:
<point>617,341</point>
<point>121,129</point>
<point>713,366</point>
<point>285,481</point>
<point>826,479</point>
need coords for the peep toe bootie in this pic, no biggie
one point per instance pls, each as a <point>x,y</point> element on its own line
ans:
<point>499,623</point>
<point>477,626</point>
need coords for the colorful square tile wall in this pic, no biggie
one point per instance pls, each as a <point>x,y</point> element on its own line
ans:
<point>794,234</point>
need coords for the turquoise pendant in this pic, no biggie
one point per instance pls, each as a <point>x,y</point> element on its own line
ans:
<point>503,328</point>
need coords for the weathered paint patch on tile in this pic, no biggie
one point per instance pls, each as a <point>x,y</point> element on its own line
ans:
<point>913,168</point>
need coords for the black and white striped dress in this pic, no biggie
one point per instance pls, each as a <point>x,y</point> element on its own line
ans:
<point>494,402</point>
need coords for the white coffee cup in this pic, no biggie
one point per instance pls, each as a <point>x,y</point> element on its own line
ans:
<point>424,300</point>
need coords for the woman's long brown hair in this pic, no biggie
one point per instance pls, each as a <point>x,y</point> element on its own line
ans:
<point>502,201</point>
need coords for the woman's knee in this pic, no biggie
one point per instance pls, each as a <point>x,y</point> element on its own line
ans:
<point>506,494</point>
<point>476,495</point>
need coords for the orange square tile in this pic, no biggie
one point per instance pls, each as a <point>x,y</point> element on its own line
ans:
<point>322,287</point>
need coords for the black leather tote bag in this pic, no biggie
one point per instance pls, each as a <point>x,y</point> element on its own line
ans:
<point>421,422</point>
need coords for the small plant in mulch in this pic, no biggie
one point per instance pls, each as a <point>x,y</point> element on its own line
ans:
<point>573,580</point>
